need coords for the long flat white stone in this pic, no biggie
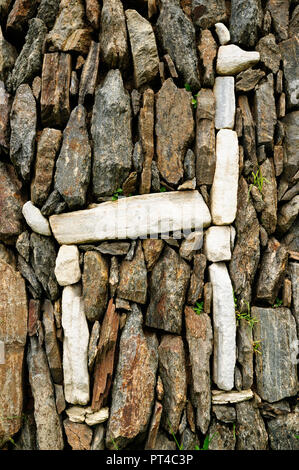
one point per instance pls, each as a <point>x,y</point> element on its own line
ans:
<point>225,398</point>
<point>224,320</point>
<point>225,184</point>
<point>231,59</point>
<point>224,91</point>
<point>132,217</point>
<point>75,346</point>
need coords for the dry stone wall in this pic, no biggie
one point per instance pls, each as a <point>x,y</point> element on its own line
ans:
<point>125,119</point>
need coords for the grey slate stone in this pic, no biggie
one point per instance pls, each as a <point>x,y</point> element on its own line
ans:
<point>245,21</point>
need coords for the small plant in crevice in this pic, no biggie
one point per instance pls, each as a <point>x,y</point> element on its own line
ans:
<point>206,442</point>
<point>114,443</point>
<point>244,315</point>
<point>198,309</point>
<point>180,447</point>
<point>258,181</point>
<point>194,97</point>
<point>116,195</point>
<point>257,346</point>
<point>162,189</point>
<point>278,302</point>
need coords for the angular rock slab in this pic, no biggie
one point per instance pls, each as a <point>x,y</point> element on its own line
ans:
<point>225,185</point>
<point>283,431</point>
<point>291,144</point>
<point>11,220</point>
<point>134,384</point>
<point>232,59</point>
<point>143,46</point>
<point>265,111</point>
<point>206,13</point>
<point>224,321</point>
<point>276,369</point>
<point>133,278</point>
<point>250,427</point>
<point>224,91</point>
<point>245,21</point>
<point>70,18</point>
<point>111,122</point>
<point>13,332</point>
<point>155,213</point>
<point>168,285</point>
<point>95,285</point>
<point>75,346</point>
<point>174,130</point>
<point>290,51</point>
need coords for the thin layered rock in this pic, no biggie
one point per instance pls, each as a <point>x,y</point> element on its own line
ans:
<point>51,342</point>
<point>205,137</point>
<point>269,194</point>
<point>134,384</point>
<point>276,372</point>
<point>5,108</point>
<point>111,121</point>
<point>291,145</point>
<point>8,56</point>
<point>224,327</point>
<point>95,285</point>
<point>207,48</point>
<point>146,130</point>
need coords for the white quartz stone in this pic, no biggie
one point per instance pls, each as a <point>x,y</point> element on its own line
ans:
<point>225,184</point>
<point>76,414</point>
<point>232,237</point>
<point>224,398</point>
<point>35,219</point>
<point>75,346</point>
<point>224,320</point>
<point>217,244</point>
<point>224,91</point>
<point>96,417</point>
<point>67,268</point>
<point>222,33</point>
<point>232,59</point>
<point>133,217</point>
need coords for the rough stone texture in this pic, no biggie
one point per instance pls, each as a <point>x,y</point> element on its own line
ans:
<point>19,15</point>
<point>283,431</point>
<point>245,21</point>
<point>288,214</point>
<point>248,140</point>
<point>42,259</point>
<point>173,375</point>
<point>246,253</point>
<point>273,267</point>
<point>154,427</point>
<point>29,61</point>
<point>134,383</point>
<point>89,73</point>
<point>207,48</point>
<point>11,220</point>
<point>152,249</point>
<point>222,436</point>
<point>205,137</point>
<point>270,53</point>
<point>47,149</point>
<point>23,128</point>
<point>69,20</point>
<point>206,13</point>
<point>47,11</point>
<point>104,365</point>
<point>73,165</point>
<point>143,47</point>
<point>174,130</point>
<point>28,273</point>
<point>289,51</point>
<point>51,344</point>
<point>79,435</point>
<point>133,278</point>
<point>98,440</point>
<point>113,37</point>
<point>248,79</point>
<point>269,193</point>
<point>265,111</point>
<point>217,244</point>
<point>226,414</point>
<point>245,353</point>
<point>48,426</point>
<point>177,38</point>
<point>168,284</point>
<point>224,92</point>
<point>224,327</point>
<point>67,269</point>
<point>276,372</point>
<point>232,59</point>
<point>294,267</point>
<point>111,122</point>
<point>13,331</point>
<point>8,56</point>
<point>5,108</point>
<point>250,428</point>
<point>56,79</point>
<point>222,33</point>
<point>95,285</point>
<point>200,343</point>
<point>75,346</point>
<point>279,10</point>
<point>291,144</point>
<point>294,22</point>
<point>146,131</point>
<point>225,184</point>
<point>197,279</point>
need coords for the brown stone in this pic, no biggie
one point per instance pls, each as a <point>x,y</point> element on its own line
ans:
<point>265,111</point>
<point>248,141</point>
<point>56,77</point>
<point>13,332</point>
<point>5,107</point>
<point>289,52</point>
<point>174,130</point>
<point>269,52</point>
<point>222,436</point>
<point>278,159</point>
<point>152,249</point>
<point>93,11</point>
<point>154,427</point>
<point>47,149</point>
<point>200,342</point>
<point>248,79</point>
<point>51,344</point>
<point>104,365</point>
<point>95,285</point>
<point>11,220</point>
<point>205,137</point>
<point>294,22</point>
<point>113,37</point>
<point>20,13</point>
<point>79,41</point>
<point>89,73</point>
<point>206,13</point>
<point>208,293</point>
<point>279,10</point>
<point>207,52</point>
<point>197,279</point>
<point>133,278</point>
<point>168,284</point>
<point>134,384</point>
<point>269,193</point>
<point>245,353</point>
<point>129,185</point>
<point>79,435</point>
<point>146,132</point>
<point>33,317</point>
<point>171,67</point>
<point>287,293</point>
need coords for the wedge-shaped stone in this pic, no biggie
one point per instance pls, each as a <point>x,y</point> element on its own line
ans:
<point>221,398</point>
<point>89,73</point>
<point>224,320</point>
<point>133,217</point>
<point>75,346</point>
<point>144,48</point>
<point>224,91</point>
<point>217,244</point>
<point>111,122</point>
<point>133,391</point>
<point>174,130</point>
<point>51,342</point>
<point>168,285</point>
<point>225,184</point>
<point>69,19</point>
<point>113,38</point>
<point>232,59</point>
<point>276,369</point>
<point>207,49</point>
